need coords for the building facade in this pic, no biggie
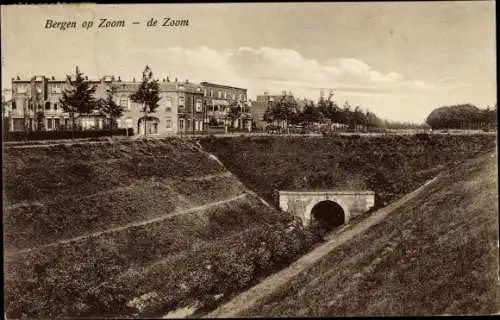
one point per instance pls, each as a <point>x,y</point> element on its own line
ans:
<point>35,106</point>
<point>226,106</point>
<point>259,107</point>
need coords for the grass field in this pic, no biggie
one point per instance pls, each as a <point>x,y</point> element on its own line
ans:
<point>139,228</point>
<point>131,229</point>
<point>437,255</point>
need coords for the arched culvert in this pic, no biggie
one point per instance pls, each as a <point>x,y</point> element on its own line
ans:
<point>328,214</point>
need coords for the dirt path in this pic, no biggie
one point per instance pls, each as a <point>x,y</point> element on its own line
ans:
<point>130,225</point>
<point>248,298</point>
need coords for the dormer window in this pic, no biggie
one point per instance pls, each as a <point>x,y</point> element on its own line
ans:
<point>22,88</point>
<point>180,87</point>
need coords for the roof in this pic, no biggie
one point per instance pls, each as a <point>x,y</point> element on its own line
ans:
<point>209,84</point>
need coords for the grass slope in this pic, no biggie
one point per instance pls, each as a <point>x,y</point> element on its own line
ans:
<point>390,165</point>
<point>438,255</point>
<point>103,230</point>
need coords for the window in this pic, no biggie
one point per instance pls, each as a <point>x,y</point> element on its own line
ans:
<point>234,96</point>
<point>49,124</point>
<point>168,109</point>
<point>169,102</point>
<point>21,88</point>
<point>181,102</point>
<point>47,105</point>
<point>211,93</point>
<point>242,97</point>
<point>168,123</point>
<point>225,94</point>
<point>181,124</point>
<point>129,123</point>
<point>56,88</point>
<point>205,92</point>
<point>55,106</point>
<point>57,123</point>
<point>198,105</point>
<point>219,94</point>
<point>30,105</point>
<point>180,87</point>
<point>124,103</point>
<point>14,105</point>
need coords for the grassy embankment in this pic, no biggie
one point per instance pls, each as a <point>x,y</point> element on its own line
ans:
<point>102,230</point>
<point>389,165</point>
<point>145,257</point>
<point>437,255</point>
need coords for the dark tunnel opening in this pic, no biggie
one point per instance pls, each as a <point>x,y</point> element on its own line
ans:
<point>328,215</point>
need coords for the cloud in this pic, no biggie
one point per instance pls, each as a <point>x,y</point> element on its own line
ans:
<point>260,69</point>
<point>275,69</point>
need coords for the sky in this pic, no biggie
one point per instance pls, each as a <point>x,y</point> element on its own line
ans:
<point>399,60</point>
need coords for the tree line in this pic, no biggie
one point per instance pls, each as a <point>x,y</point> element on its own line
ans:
<point>463,116</point>
<point>286,111</point>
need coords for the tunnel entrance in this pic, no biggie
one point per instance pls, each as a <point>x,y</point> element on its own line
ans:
<point>328,214</point>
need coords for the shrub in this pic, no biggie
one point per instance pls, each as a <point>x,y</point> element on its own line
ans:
<point>54,135</point>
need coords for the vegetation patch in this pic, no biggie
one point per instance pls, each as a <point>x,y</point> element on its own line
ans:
<point>389,165</point>
<point>437,255</point>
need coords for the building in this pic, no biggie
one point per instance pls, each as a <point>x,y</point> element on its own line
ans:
<point>259,107</point>
<point>35,106</point>
<point>226,106</point>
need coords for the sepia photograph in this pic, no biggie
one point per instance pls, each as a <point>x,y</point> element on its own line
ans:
<point>222,160</point>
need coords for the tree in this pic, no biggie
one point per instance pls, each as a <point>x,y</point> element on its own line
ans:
<point>463,116</point>
<point>40,120</point>
<point>234,112</point>
<point>283,110</point>
<point>110,108</point>
<point>36,100</point>
<point>147,94</point>
<point>79,98</point>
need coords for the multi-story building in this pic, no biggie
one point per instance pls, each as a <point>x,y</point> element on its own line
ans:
<point>190,105</point>
<point>35,104</point>
<point>220,100</point>
<point>261,104</point>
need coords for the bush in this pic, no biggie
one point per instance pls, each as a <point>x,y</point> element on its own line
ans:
<point>54,135</point>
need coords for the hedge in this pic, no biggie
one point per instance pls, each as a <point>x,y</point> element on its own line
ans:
<point>53,135</point>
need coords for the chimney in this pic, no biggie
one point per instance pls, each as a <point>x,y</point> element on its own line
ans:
<point>168,79</point>
<point>175,79</point>
<point>86,77</point>
<point>133,80</point>
<point>119,79</point>
<point>187,81</point>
